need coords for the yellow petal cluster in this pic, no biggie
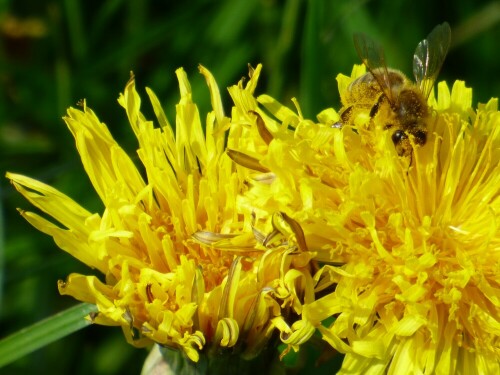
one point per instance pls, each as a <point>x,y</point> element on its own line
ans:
<point>181,265</point>
<point>265,221</point>
<point>412,247</point>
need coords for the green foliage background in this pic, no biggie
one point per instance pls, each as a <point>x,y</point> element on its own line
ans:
<point>86,49</point>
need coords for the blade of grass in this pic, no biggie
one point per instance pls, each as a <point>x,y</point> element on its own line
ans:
<point>102,18</point>
<point>477,23</point>
<point>76,29</point>
<point>291,15</point>
<point>225,28</point>
<point>310,74</point>
<point>44,332</point>
<point>2,249</point>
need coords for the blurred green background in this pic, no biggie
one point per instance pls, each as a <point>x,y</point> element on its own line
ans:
<point>53,53</point>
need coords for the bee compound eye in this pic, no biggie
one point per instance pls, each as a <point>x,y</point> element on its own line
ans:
<point>420,137</point>
<point>398,136</point>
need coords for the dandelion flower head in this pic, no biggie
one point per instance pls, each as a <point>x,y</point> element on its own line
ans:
<point>411,249</point>
<point>182,266</point>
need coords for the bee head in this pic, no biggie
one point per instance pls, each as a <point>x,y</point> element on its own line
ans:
<point>401,142</point>
<point>398,137</point>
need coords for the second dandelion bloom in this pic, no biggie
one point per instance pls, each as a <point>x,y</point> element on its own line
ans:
<point>411,246</point>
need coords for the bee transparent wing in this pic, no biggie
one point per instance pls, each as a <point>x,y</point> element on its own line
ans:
<point>429,57</point>
<point>372,55</point>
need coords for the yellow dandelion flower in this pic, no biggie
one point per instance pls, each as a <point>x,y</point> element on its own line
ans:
<point>182,266</point>
<point>412,246</point>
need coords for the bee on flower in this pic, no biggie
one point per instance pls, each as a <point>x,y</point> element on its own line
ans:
<point>410,255</point>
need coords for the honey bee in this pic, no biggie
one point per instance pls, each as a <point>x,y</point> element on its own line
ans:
<point>389,92</point>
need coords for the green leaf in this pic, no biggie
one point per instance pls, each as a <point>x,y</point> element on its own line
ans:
<point>44,332</point>
<point>311,58</point>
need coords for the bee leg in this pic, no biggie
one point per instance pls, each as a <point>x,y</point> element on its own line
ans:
<point>376,106</point>
<point>345,115</point>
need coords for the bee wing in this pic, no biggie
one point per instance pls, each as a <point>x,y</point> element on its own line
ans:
<point>429,57</point>
<point>372,55</point>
